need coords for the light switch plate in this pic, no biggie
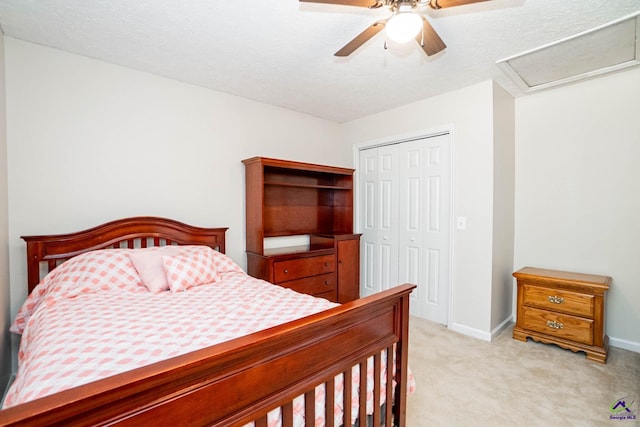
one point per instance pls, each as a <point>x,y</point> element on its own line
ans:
<point>461,223</point>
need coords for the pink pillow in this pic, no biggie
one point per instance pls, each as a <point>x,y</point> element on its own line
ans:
<point>186,271</point>
<point>222,262</point>
<point>148,263</point>
<point>95,271</point>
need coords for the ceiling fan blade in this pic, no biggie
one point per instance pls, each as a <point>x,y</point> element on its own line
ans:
<point>441,4</point>
<point>371,4</point>
<point>360,39</point>
<point>429,40</point>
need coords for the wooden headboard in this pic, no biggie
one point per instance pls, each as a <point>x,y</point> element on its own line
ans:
<point>44,253</point>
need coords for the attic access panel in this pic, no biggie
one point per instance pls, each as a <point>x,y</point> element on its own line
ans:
<point>610,47</point>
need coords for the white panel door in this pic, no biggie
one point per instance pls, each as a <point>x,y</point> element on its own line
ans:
<point>379,218</point>
<point>405,221</point>
<point>424,230</point>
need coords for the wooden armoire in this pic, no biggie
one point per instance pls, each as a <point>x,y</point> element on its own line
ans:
<point>286,198</point>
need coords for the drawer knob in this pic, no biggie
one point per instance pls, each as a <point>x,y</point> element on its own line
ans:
<point>286,271</point>
<point>554,324</point>
<point>555,299</point>
<point>326,264</point>
<point>326,282</point>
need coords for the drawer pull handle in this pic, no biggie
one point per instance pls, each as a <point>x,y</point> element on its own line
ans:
<point>286,271</point>
<point>326,264</point>
<point>326,282</point>
<point>554,325</point>
<point>555,299</point>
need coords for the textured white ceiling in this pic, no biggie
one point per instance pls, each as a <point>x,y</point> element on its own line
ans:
<point>280,52</point>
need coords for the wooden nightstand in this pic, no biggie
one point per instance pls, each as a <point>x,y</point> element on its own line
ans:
<point>563,308</point>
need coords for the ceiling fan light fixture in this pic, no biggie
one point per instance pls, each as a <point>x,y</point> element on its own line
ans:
<point>404,25</point>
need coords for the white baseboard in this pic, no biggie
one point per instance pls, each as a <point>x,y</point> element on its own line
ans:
<point>465,330</point>
<point>477,333</point>
<point>624,344</point>
<point>486,336</point>
<point>503,325</point>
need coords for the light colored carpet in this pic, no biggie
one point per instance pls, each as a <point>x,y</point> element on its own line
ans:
<point>464,381</point>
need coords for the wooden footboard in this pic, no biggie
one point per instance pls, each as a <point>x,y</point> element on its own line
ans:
<point>240,381</point>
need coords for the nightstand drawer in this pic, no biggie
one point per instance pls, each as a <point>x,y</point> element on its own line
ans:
<point>559,300</point>
<point>323,285</point>
<point>303,267</point>
<point>565,326</point>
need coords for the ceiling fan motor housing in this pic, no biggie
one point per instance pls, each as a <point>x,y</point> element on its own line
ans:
<point>402,5</point>
<point>409,21</point>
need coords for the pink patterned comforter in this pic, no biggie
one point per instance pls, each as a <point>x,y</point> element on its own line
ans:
<point>73,341</point>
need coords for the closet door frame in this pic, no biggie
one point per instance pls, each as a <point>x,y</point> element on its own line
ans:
<point>398,139</point>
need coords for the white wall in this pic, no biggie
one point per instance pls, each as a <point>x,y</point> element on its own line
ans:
<point>469,113</point>
<point>90,142</point>
<point>5,312</point>
<point>578,189</point>
<point>503,207</point>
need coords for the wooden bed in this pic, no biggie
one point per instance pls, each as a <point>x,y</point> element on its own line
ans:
<point>235,382</point>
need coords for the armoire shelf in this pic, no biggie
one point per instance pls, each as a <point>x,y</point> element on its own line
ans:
<point>320,187</point>
<point>286,198</point>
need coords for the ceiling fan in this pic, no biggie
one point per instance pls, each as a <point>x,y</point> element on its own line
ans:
<point>403,25</point>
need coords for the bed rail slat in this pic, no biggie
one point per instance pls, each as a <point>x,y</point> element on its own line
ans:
<point>346,398</point>
<point>287,414</point>
<point>362,406</point>
<point>330,396</point>
<point>310,408</point>
<point>388,414</point>
<point>377,371</point>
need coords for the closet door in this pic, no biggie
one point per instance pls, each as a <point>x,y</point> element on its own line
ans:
<point>405,221</point>
<point>424,229</point>
<point>379,218</point>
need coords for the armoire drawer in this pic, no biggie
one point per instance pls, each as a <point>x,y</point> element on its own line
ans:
<point>323,285</point>
<point>303,267</point>
<point>573,328</point>
<point>559,300</point>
